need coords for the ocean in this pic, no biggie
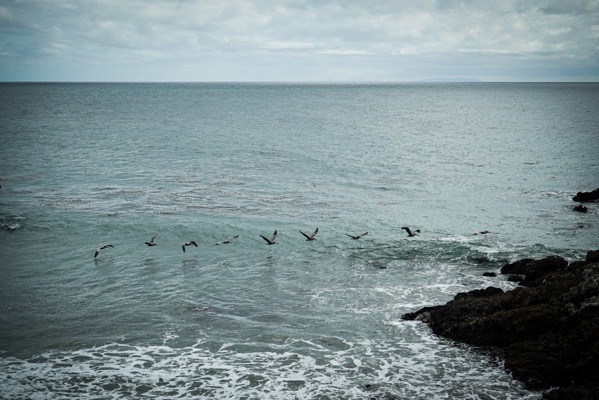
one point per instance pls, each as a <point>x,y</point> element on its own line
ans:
<point>87,164</point>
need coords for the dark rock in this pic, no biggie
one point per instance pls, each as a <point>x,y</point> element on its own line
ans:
<point>519,267</point>
<point>488,292</point>
<point>584,197</point>
<point>421,314</point>
<point>547,333</point>
<point>581,208</point>
<point>534,270</point>
<point>592,256</point>
<point>515,278</point>
<point>490,274</point>
<point>590,392</point>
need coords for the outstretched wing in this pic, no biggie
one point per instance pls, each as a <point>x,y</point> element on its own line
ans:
<point>229,240</point>
<point>266,239</point>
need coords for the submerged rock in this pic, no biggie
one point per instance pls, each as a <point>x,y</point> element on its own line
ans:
<point>548,331</point>
<point>581,208</point>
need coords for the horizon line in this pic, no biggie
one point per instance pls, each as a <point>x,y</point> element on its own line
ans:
<point>307,82</point>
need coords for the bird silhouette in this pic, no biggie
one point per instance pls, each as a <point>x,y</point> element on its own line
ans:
<point>190,243</point>
<point>272,239</point>
<point>151,242</point>
<point>229,240</point>
<point>410,233</point>
<point>310,237</point>
<point>358,236</point>
<point>104,246</point>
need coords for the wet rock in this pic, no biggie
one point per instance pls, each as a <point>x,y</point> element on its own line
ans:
<point>581,208</point>
<point>490,274</point>
<point>534,270</point>
<point>488,292</point>
<point>584,197</point>
<point>547,332</point>
<point>592,256</point>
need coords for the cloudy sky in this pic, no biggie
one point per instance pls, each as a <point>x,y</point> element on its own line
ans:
<point>299,40</point>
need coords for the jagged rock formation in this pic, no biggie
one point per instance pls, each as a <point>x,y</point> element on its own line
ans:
<point>547,331</point>
<point>587,196</point>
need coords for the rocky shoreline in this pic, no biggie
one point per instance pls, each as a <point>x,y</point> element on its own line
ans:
<point>547,330</point>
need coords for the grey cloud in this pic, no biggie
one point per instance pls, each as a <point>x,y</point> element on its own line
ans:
<point>308,39</point>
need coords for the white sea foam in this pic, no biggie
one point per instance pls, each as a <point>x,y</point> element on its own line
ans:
<point>414,366</point>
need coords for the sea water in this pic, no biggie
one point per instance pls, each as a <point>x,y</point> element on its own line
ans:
<point>89,164</point>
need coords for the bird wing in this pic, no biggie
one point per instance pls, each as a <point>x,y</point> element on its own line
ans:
<point>97,252</point>
<point>194,243</point>
<point>227,241</point>
<point>315,232</point>
<point>274,235</point>
<point>307,237</point>
<point>267,239</point>
<point>183,247</point>
<point>153,237</point>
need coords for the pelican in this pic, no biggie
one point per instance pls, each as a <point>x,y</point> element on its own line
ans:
<point>272,239</point>
<point>310,237</point>
<point>410,233</point>
<point>104,246</point>
<point>190,243</point>
<point>151,242</point>
<point>358,236</point>
<point>229,240</point>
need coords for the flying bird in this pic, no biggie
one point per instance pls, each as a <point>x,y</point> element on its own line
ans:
<point>151,242</point>
<point>229,240</point>
<point>272,239</point>
<point>410,233</point>
<point>358,236</point>
<point>190,243</point>
<point>310,237</point>
<point>104,246</point>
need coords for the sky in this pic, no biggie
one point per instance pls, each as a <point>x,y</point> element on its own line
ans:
<point>299,40</point>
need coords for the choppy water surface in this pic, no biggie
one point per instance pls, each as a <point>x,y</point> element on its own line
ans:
<point>88,164</point>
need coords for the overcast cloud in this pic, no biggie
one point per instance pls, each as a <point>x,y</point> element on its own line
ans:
<point>298,40</point>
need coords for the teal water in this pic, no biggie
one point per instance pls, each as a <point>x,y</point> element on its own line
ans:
<point>90,164</point>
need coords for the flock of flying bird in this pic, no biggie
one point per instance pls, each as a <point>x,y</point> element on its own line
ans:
<point>268,241</point>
